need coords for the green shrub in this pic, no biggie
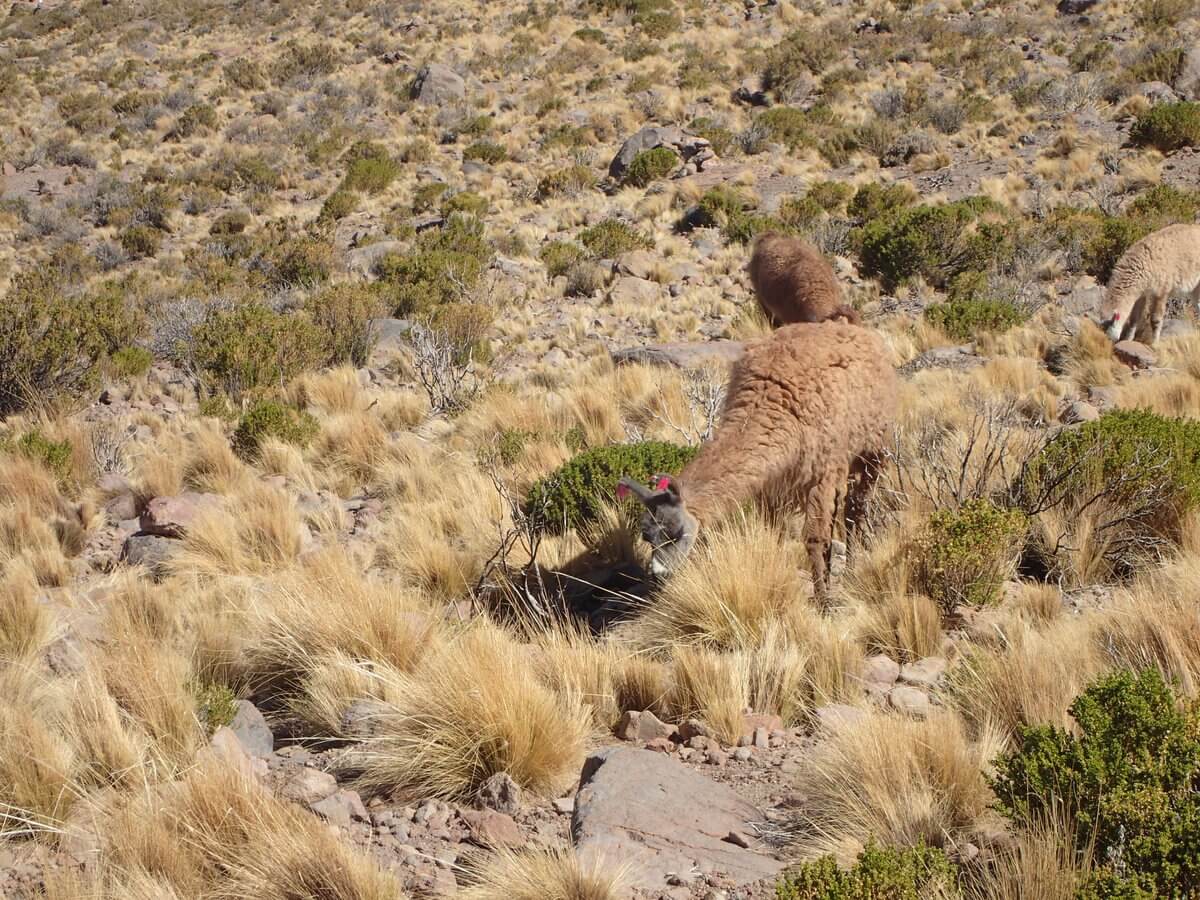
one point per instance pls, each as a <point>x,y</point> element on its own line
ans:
<point>651,165</point>
<point>51,339</point>
<point>486,152</point>
<point>877,200</point>
<point>466,326</point>
<point>233,222</point>
<point>1162,65</point>
<point>192,120</point>
<point>427,195</point>
<point>54,455</point>
<point>966,318</point>
<point>797,56</point>
<point>445,262</point>
<point>572,180</point>
<point>831,196</point>
<point>721,138</point>
<point>934,242</point>
<point>338,205</point>
<point>591,35</point>
<point>612,237</point>
<point>1137,469</point>
<point>342,313</point>
<point>302,261</point>
<point>964,555</point>
<point>371,175</point>
<point>654,18</point>
<point>141,241</point>
<point>573,494</point>
<point>251,348</point>
<point>268,419</point>
<point>1128,782</point>
<point>560,256</point>
<point>216,705</point>
<point>466,202</point>
<point>1168,126</point>
<point>255,174</point>
<point>245,74</point>
<point>880,873</point>
<point>131,362</point>
<point>718,207</point>
<point>786,125</point>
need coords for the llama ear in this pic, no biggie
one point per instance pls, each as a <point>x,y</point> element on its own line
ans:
<point>666,484</point>
<point>627,486</point>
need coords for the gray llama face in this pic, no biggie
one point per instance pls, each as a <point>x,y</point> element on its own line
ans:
<point>666,525</point>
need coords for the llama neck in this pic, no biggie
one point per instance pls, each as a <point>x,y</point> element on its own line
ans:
<point>725,474</point>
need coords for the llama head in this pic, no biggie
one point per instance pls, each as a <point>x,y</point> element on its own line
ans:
<point>1113,326</point>
<point>667,526</point>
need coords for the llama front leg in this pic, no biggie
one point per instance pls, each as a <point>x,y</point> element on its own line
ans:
<point>1158,315</point>
<point>865,473</point>
<point>818,533</point>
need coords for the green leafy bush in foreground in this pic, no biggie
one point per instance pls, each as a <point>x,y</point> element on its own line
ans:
<point>880,873</point>
<point>1128,783</point>
<point>573,493</point>
<point>269,419</point>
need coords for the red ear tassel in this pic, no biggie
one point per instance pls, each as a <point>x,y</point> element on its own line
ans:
<point>622,491</point>
<point>663,483</point>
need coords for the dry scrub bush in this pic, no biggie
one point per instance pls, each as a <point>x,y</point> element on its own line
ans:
<point>258,532</point>
<point>468,711</point>
<point>543,874</point>
<point>899,781</point>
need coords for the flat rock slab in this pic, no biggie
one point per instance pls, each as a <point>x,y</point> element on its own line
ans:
<point>683,356</point>
<point>660,819</point>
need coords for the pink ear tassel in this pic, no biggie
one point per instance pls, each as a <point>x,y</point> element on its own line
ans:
<point>663,484</point>
<point>622,491</point>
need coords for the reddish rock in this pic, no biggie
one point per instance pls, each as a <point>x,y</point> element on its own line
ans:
<point>643,726</point>
<point>172,516</point>
<point>661,745</point>
<point>309,786</point>
<point>880,669</point>
<point>1135,354</point>
<point>489,828</point>
<point>924,673</point>
<point>910,701</point>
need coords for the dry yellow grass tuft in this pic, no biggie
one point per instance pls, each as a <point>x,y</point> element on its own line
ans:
<point>543,874</point>
<point>896,780</point>
<point>467,712</point>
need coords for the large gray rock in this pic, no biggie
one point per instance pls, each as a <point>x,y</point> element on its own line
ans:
<point>960,358</point>
<point>438,85</point>
<point>683,356</point>
<point>152,551</point>
<point>172,516</point>
<point>252,730</point>
<point>1135,354</point>
<point>647,138</point>
<point>635,291</point>
<point>1188,81</point>
<point>664,820</point>
<point>364,260</point>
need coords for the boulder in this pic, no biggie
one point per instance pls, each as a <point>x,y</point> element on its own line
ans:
<point>252,730</point>
<point>924,673</point>
<point>1079,411</point>
<point>910,701</point>
<point>224,745</point>
<point>308,786</point>
<point>341,808</point>
<point>150,550</point>
<point>438,85</point>
<point>1187,83</point>
<point>660,818</point>
<point>643,726</point>
<point>1135,354</point>
<point>638,291</point>
<point>500,793</point>
<point>172,516</point>
<point>880,669</point>
<point>638,263</point>
<point>683,356</point>
<point>692,149</point>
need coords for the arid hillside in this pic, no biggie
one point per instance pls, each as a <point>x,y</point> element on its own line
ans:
<point>328,330</point>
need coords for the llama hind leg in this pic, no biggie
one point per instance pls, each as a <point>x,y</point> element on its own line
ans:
<point>865,472</point>
<point>818,533</point>
<point>1158,315</point>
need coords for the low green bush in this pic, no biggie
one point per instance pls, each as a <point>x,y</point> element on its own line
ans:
<point>444,263</point>
<point>342,313</point>
<point>880,873</point>
<point>236,221</point>
<point>338,205</point>
<point>965,318</point>
<point>612,237</point>
<point>572,495</point>
<point>486,152</point>
<point>964,555</point>
<point>216,705</point>
<point>800,54</point>
<point>936,242</point>
<point>654,18</point>
<point>466,325</point>
<point>721,138</point>
<point>131,362</point>
<point>54,455</point>
<point>1168,126</point>
<point>877,200</point>
<point>560,257</point>
<point>786,125</point>
<point>269,419</point>
<point>1127,781</point>
<point>650,166</point>
<point>569,181</point>
<point>141,241</point>
<point>467,203</point>
<point>301,261</point>
<point>251,348</point>
<point>370,169</point>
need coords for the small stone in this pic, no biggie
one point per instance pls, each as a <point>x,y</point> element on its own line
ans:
<point>880,669</point>
<point>661,745</point>
<point>693,728</point>
<point>225,745</point>
<point>762,738</point>
<point>500,793</point>
<point>309,786</point>
<point>565,805</point>
<point>493,829</point>
<point>737,839</point>
<point>924,673</point>
<point>1134,354</point>
<point>910,701</point>
<point>341,808</point>
<point>1079,411</point>
<point>743,754</point>
<point>716,758</point>
<point>172,516</point>
<point>643,726</point>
